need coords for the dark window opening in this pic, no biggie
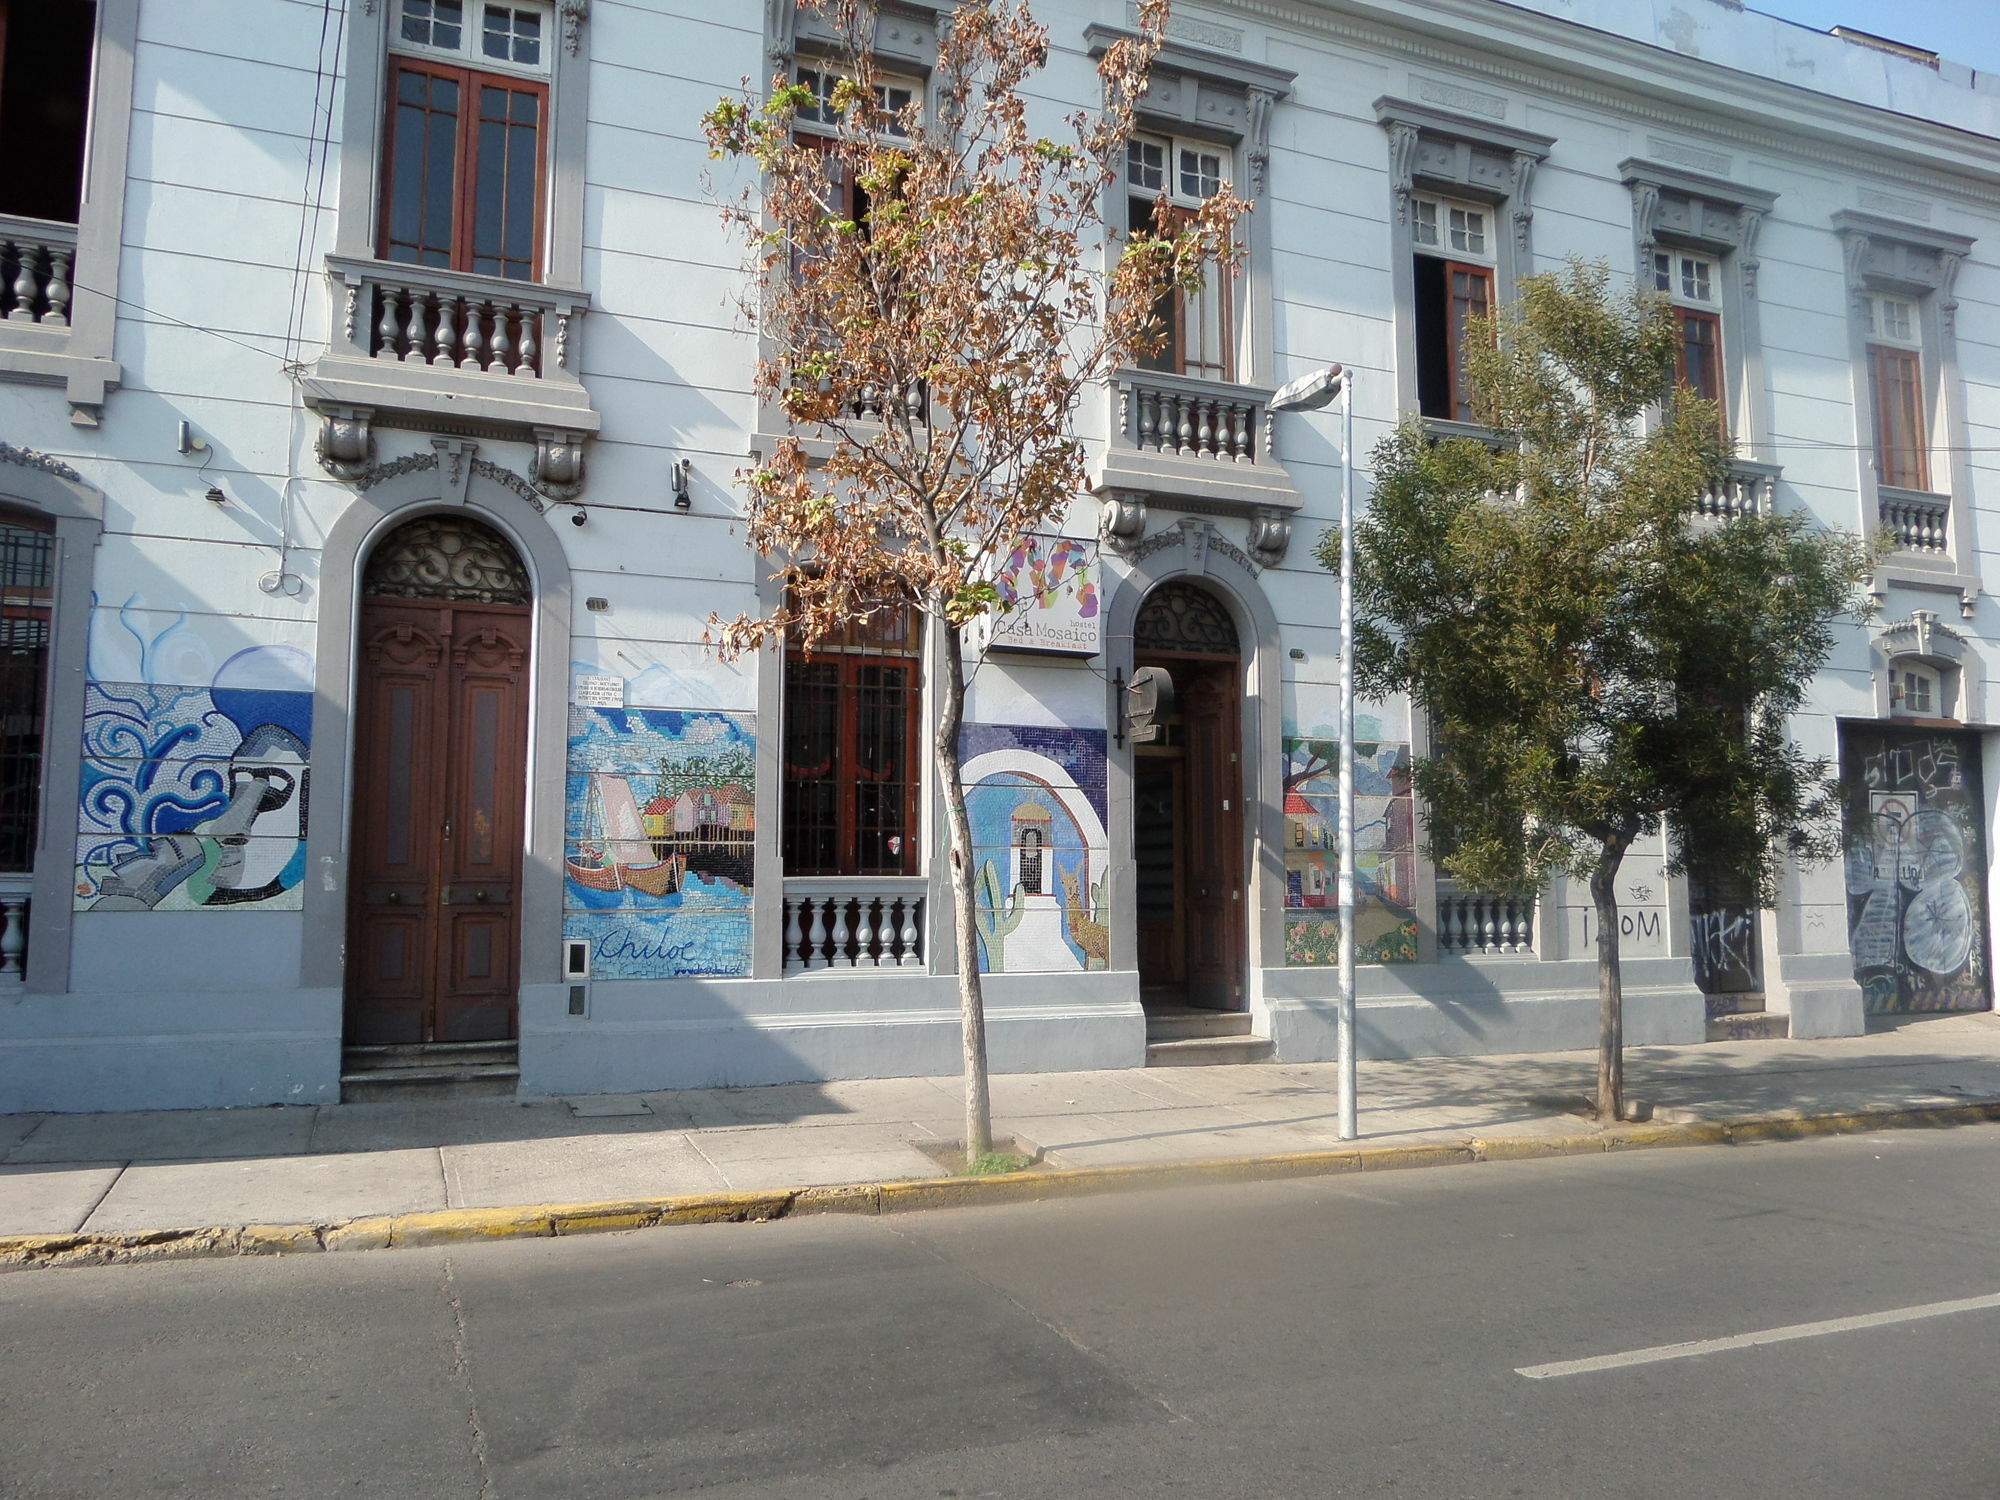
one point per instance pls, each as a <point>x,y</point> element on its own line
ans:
<point>851,751</point>
<point>27,563</point>
<point>45,57</point>
<point>1449,296</point>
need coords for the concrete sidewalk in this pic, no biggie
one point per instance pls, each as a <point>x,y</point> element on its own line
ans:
<point>119,1173</point>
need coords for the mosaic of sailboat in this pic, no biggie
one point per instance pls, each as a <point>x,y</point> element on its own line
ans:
<point>618,847</point>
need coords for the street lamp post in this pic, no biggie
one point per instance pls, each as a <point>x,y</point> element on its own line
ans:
<point>1312,393</point>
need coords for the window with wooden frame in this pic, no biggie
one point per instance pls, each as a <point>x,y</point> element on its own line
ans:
<point>1693,283</point>
<point>465,143</point>
<point>852,749</point>
<point>1454,287</point>
<point>27,577</point>
<point>1175,177</point>
<point>1896,391</point>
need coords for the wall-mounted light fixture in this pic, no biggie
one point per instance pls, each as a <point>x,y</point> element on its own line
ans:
<point>679,473</point>
<point>577,516</point>
<point>1298,654</point>
<point>597,604</point>
<point>187,440</point>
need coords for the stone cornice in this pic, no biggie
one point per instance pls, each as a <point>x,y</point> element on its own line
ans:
<point>1847,221</point>
<point>1459,127</point>
<point>1194,62</point>
<point>1636,80</point>
<point>1695,185</point>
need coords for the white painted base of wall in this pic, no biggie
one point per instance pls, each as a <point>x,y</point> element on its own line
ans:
<point>1462,1008</point>
<point>641,1034</point>
<point>155,1049</point>
<point>1818,991</point>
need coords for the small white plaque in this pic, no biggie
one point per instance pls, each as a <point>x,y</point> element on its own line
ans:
<point>594,691</point>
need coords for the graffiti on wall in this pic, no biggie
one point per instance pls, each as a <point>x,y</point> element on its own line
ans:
<point>1723,942</point>
<point>1035,796</point>
<point>1385,919</point>
<point>1915,869</point>
<point>658,841</point>
<point>195,797</point>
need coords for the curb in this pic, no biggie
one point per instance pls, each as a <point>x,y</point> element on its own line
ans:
<point>457,1226</point>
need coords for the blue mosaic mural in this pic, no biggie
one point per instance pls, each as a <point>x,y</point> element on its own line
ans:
<point>1036,799</point>
<point>194,798</point>
<point>658,841</point>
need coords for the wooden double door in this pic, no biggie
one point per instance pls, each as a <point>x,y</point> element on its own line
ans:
<point>440,768</point>
<point>1188,840</point>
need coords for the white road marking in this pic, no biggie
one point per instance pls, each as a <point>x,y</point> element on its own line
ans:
<point>1662,1352</point>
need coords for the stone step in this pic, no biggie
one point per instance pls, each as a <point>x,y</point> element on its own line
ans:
<point>1729,1005</point>
<point>1207,1051</point>
<point>1750,1026</point>
<point>1180,1025</point>
<point>467,1081</point>
<point>428,1055</point>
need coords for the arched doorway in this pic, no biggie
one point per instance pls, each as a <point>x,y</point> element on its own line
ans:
<point>440,765</point>
<point>1187,828</point>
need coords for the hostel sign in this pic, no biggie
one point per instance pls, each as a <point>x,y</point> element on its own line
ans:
<point>1051,598</point>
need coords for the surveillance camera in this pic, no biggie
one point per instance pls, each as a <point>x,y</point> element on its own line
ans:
<point>577,517</point>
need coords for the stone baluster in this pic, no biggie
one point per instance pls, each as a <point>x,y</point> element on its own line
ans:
<point>502,362</point>
<point>864,934</point>
<point>816,933</point>
<point>1239,433</point>
<point>13,936</point>
<point>390,328</point>
<point>911,934</point>
<point>531,349</point>
<point>1183,424</point>
<point>60,262</point>
<point>414,352</point>
<point>1205,429</point>
<point>842,959</point>
<point>474,357</point>
<point>26,283</point>
<point>1149,419</point>
<point>450,310</point>
<point>794,937</point>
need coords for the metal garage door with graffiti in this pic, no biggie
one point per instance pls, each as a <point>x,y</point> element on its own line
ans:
<point>1916,863</point>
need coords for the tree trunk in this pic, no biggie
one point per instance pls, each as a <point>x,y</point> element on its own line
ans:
<point>1610,986</point>
<point>971,1002</point>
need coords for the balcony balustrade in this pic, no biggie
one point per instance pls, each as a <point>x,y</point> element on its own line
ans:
<point>14,904</point>
<point>37,270</point>
<point>1192,418</point>
<point>1918,521</point>
<point>1749,489</point>
<point>1469,923</point>
<point>866,923</point>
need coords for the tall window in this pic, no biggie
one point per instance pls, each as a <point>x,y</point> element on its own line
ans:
<point>26,579</point>
<point>852,768</point>
<point>45,55</point>
<point>467,136</point>
<point>1896,390</point>
<point>1693,283</point>
<point>1454,286</point>
<point>1200,326</point>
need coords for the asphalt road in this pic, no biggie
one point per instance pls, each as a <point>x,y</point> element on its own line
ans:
<point>1344,1336</point>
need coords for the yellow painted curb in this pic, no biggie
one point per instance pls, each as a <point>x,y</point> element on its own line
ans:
<point>457,1226</point>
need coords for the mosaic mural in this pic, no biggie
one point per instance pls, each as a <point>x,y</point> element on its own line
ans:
<point>658,841</point>
<point>1035,796</point>
<point>195,797</point>
<point>1385,919</point>
<point>1916,861</point>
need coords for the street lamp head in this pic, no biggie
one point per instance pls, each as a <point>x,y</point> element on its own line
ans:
<point>1311,392</point>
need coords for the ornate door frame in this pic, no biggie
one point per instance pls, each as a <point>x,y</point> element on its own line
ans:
<point>390,494</point>
<point>1194,548</point>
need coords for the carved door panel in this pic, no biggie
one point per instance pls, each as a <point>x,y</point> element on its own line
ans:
<point>439,777</point>
<point>1212,855</point>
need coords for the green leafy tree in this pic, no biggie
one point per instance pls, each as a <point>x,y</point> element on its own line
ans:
<point>930,337</point>
<point>1594,659</point>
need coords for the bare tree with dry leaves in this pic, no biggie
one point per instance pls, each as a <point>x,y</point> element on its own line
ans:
<point>937,290</point>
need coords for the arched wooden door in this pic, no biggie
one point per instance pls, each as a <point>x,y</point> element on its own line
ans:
<point>440,770</point>
<point>1188,806</point>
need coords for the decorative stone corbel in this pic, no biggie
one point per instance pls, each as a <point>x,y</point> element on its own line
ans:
<point>455,463</point>
<point>1645,224</point>
<point>1199,534</point>
<point>558,464</point>
<point>1270,536</point>
<point>574,14</point>
<point>1855,247</point>
<point>1402,165</point>
<point>781,26</point>
<point>346,440</point>
<point>1749,223</point>
<point>1947,291</point>
<point>1122,522</point>
<point>1261,102</point>
<point>1520,199</point>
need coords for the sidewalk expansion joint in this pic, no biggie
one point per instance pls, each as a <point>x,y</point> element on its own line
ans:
<point>461,1226</point>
